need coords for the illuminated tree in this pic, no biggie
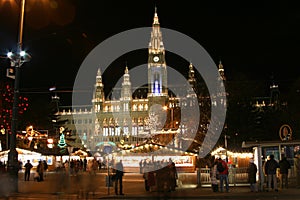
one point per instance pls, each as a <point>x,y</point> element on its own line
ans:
<point>6,103</point>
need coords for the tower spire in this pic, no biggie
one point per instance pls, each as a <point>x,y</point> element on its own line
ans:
<point>155,19</point>
<point>221,71</point>
<point>126,86</point>
<point>98,96</point>
<point>157,72</point>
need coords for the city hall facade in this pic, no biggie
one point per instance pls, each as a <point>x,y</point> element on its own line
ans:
<point>130,121</point>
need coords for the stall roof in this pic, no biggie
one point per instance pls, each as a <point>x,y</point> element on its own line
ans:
<point>269,143</point>
<point>79,153</point>
<point>153,148</point>
<point>21,151</point>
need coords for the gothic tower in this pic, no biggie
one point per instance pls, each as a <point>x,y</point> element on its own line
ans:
<point>157,69</point>
<point>126,92</point>
<point>99,97</point>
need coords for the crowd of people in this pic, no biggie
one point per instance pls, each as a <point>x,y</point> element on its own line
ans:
<point>83,165</point>
<point>160,176</point>
<point>219,175</point>
<point>73,167</point>
<point>275,172</point>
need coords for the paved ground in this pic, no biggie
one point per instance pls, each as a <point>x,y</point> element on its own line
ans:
<point>60,186</point>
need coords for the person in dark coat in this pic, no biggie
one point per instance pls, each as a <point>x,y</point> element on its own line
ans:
<point>173,176</point>
<point>252,170</point>
<point>28,167</point>
<point>284,166</point>
<point>270,170</point>
<point>119,178</point>
<point>40,171</point>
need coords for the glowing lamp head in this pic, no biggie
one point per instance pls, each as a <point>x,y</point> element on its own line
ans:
<point>22,53</point>
<point>9,54</point>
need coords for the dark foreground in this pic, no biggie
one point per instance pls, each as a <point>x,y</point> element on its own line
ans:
<point>85,186</point>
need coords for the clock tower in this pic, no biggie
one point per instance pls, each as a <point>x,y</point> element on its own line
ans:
<point>157,68</point>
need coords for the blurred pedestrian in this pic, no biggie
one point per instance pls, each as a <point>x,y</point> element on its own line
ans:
<point>284,166</point>
<point>297,169</point>
<point>141,166</point>
<point>214,176</point>
<point>20,165</point>
<point>45,165</point>
<point>270,170</point>
<point>173,176</point>
<point>28,167</point>
<point>40,171</point>
<point>84,164</point>
<point>119,178</point>
<point>223,174</point>
<point>252,170</point>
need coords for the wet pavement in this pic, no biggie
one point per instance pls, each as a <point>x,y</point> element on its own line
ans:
<point>86,186</point>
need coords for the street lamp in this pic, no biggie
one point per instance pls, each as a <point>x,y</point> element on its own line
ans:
<point>16,61</point>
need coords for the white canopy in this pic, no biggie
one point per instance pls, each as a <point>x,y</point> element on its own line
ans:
<point>21,151</point>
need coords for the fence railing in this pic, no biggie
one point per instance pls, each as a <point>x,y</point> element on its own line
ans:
<point>235,176</point>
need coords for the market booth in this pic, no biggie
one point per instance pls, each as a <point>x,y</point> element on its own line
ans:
<point>131,158</point>
<point>235,159</point>
<point>262,149</point>
<point>23,156</point>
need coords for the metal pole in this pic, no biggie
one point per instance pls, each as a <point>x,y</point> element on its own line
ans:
<point>260,167</point>
<point>108,181</point>
<point>226,148</point>
<point>13,167</point>
<point>7,139</point>
<point>199,171</point>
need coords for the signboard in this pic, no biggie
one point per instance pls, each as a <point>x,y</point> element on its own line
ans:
<point>285,132</point>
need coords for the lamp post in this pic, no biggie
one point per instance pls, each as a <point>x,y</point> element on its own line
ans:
<point>16,61</point>
<point>225,144</point>
<point>70,150</point>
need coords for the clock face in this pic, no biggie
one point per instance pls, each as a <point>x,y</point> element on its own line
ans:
<point>155,58</point>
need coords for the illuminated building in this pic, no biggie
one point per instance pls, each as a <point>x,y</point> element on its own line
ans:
<point>156,117</point>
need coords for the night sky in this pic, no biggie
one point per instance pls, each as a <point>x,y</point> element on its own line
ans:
<point>255,40</point>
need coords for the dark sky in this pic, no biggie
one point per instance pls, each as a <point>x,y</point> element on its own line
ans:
<point>254,40</point>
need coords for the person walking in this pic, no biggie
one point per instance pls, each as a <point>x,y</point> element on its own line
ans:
<point>119,178</point>
<point>141,166</point>
<point>223,174</point>
<point>284,166</point>
<point>40,171</point>
<point>84,164</point>
<point>173,176</point>
<point>252,170</point>
<point>297,169</point>
<point>270,170</point>
<point>45,165</point>
<point>214,176</point>
<point>28,167</point>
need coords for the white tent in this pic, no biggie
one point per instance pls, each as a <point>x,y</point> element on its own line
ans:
<point>23,156</point>
<point>21,151</point>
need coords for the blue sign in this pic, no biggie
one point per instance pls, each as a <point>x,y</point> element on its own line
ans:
<point>107,149</point>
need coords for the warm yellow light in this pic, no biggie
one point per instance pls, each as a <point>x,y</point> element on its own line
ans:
<point>50,140</point>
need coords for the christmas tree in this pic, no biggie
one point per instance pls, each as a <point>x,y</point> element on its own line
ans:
<point>62,141</point>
